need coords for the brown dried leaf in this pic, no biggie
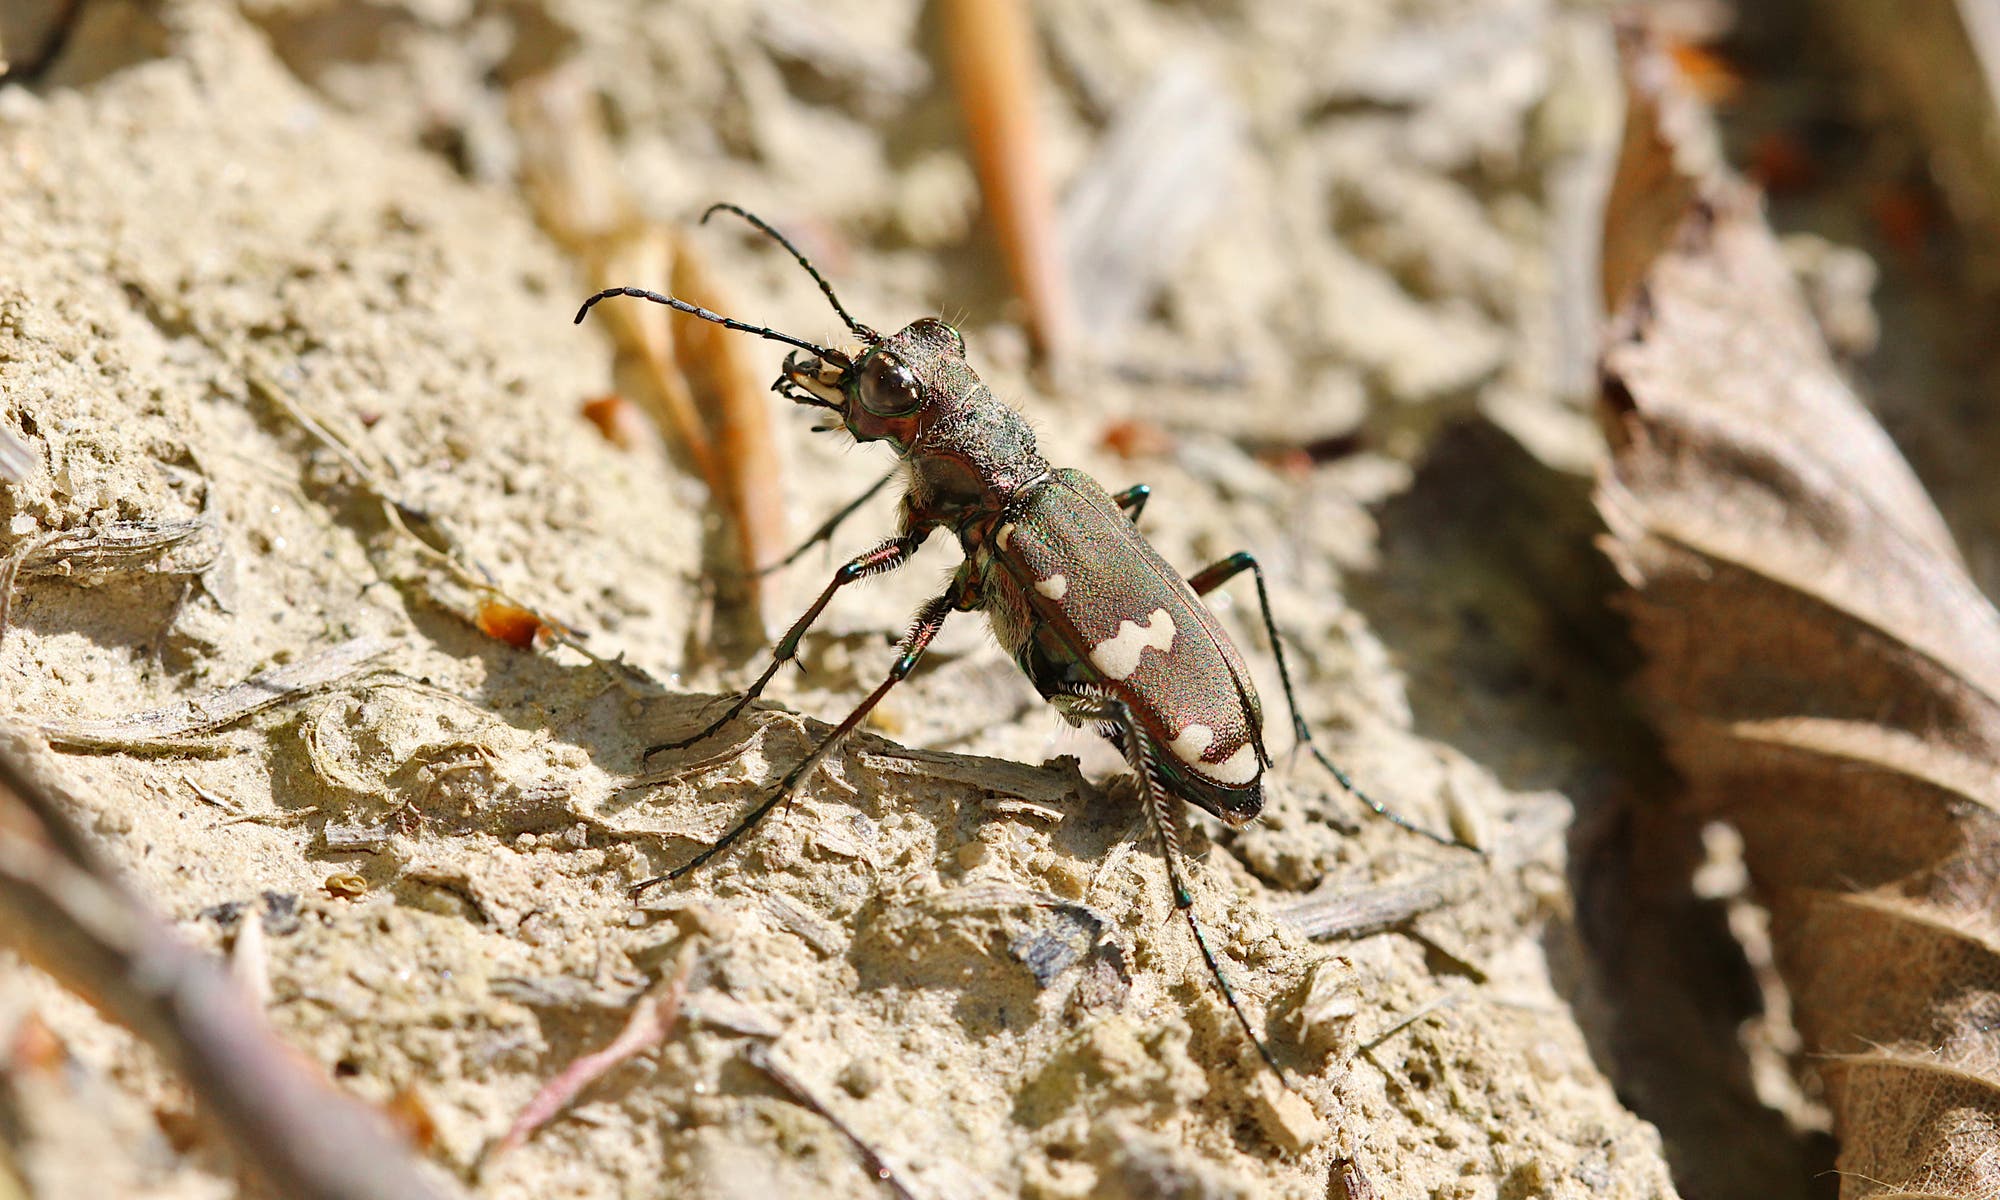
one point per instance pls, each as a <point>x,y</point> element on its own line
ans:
<point>1826,677</point>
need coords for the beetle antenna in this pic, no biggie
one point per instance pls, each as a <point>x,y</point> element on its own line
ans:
<point>695,310</point>
<point>857,328</point>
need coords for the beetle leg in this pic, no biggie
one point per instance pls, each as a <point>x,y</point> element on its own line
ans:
<point>1112,714</point>
<point>826,530</point>
<point>930,619</point>
<point>1133,500</point>
<point>885,557</point>
<point>1206,581</point>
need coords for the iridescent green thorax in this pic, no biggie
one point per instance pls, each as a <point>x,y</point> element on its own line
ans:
<point>968,453</point>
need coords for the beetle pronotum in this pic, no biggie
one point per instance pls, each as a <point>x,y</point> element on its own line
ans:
<point>1107,632</point>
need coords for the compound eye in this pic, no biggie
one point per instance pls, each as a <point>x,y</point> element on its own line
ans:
<point>888,388</point>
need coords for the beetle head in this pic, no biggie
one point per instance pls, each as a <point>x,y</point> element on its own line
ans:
<point>888,388</point>
<point>892,389</point>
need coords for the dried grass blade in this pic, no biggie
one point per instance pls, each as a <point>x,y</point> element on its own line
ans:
<point>995,66</point>
<point>64,911</point>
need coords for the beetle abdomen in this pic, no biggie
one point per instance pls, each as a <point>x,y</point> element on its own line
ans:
<point>1135,628</point>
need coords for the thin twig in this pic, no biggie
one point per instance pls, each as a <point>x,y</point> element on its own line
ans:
<point>1339,909</point>
<point>759,1056</point>
<point>64,911</point>
<point>650,1023</point>
<point>178,725</point>
<point>1442,1002</point>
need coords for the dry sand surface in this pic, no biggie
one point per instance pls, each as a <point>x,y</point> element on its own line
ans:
<point>225,227</point>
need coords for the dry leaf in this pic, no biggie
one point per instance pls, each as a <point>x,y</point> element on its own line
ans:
<point>509,623</point>
<point>1825,676</point>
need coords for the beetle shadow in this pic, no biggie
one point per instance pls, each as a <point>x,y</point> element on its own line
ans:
<point>1498,548</point>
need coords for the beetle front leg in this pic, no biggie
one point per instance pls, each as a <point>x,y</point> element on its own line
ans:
<point>1206,581</point>
<point>1113,714</point>
<point>930,619</point>
<point>885,557</point>
<point>827,527</point>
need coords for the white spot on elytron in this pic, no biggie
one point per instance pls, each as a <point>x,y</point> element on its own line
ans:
<point>1238,769</point>
<point>1055,587</point>
<point>1118,655</point>
<point>1006,532</point>
<point>1189,745</point>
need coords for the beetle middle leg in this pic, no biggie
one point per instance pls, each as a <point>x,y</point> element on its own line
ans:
<point>930,619</point>
<point>1133,500</point>
<point>1113,716</point>
<point>1210,578</point>
<point>885,557</point>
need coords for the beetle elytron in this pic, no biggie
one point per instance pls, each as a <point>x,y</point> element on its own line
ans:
<point>1108,633</point>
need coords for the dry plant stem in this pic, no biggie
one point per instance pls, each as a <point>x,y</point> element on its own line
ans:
<point>761,1058</point>
<point>994,64</point>
<point>1338,909</point>
<point>1824,674</point>
<point>62,911</point>
<point>176,726</point>
<point>696,382</point>
<point>87,553</point>
<point>650,1023</point>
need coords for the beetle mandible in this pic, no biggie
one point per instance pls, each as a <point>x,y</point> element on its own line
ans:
<point>1108,633</point>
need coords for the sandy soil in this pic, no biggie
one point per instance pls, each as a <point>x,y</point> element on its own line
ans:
<point>225,223</point>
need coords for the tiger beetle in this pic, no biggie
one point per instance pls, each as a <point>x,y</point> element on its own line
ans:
<point>1107,632</point>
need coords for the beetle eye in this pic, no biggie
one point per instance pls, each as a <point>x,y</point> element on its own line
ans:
<point>888,388</point>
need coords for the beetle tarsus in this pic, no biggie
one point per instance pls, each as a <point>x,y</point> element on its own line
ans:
<point>1133,500</point>
<point>713,727</point>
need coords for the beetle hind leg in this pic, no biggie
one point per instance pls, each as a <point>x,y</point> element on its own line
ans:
<point>1115,720</point>
<point>1206,581</point>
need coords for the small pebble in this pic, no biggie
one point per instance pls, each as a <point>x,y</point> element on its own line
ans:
<point>346,885</point>
<point>1286,1118</point>
<point>859,1078</point>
